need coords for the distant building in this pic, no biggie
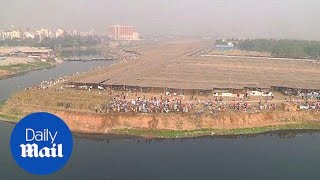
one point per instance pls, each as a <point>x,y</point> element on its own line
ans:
<point>42,34</point>
<point>2,36</point>
<point>16,34</point>
<point>25,51</point>
<point>74,32</point>
<point>60,33</point>
<point>88,33</point>
<point>92,33</point>
<point>123,33</point>
<point>225,47</point>
<point>45,33</point>
<point>11,35</point>
<point>29,35</point>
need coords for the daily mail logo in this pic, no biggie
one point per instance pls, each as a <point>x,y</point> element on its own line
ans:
<point>32,150</point>
<point>41,143</point>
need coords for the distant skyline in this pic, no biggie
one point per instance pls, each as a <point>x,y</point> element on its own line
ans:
<point>229,18</point>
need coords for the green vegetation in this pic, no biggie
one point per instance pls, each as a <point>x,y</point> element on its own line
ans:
<point>19,68</point>
<point>283,48</point>
<point>2,104</point>
<point>217,132</point>
<point>9,118</point>
<point>22,68</point>
<point>80,51</point>
<point>55,43</point>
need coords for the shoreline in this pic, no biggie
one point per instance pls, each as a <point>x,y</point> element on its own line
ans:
<point>50,65</point>
<point>165,134</point>
<point>283,133</point>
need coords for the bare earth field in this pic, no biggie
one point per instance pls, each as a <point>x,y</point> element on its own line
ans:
<point>168,65</point>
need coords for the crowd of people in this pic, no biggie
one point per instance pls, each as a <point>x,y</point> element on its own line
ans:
<point>178,104</point>
<point>174,103</point>
<point>44,85</point>
<point>314,95</point>
<point>153,105</point>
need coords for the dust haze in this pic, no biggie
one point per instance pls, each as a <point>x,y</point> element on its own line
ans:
<point>229,18</point>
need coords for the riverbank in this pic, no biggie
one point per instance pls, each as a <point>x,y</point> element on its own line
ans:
<point>218,132</point>
<point>184,126</point>
<point>8,71</point>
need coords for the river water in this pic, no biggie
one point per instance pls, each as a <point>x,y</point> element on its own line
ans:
<point>263,157</point>
<point>9,86</point>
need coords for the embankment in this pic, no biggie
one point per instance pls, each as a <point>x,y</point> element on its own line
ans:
<point>184,125</point>
<point>187,125</point>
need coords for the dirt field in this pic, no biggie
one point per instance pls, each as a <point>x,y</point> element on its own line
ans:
<point>168,65</point>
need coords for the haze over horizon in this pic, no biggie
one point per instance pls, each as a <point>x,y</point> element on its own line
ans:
<point>229,18</point>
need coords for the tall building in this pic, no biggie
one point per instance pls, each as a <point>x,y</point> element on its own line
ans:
<point>125,33</point>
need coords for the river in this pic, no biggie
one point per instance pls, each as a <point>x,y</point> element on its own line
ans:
<point>10,85</point>
<point>262,157</point>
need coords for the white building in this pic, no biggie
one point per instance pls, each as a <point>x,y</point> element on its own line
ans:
<point>29,35</point>
<point>2,36</point>
<point>45,33</point>
<point>59,33</point>
<point>11,35</point>
<point>74,32</point>
<point>92,33</point>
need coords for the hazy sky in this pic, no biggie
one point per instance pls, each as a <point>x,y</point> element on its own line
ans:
<point>263,18</point>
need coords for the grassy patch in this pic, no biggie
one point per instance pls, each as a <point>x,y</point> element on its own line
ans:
<point>2,104</point>
<point>205,132</point>
<point>9,118</point>
<point>20,68</point>
<point>6,117</point>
